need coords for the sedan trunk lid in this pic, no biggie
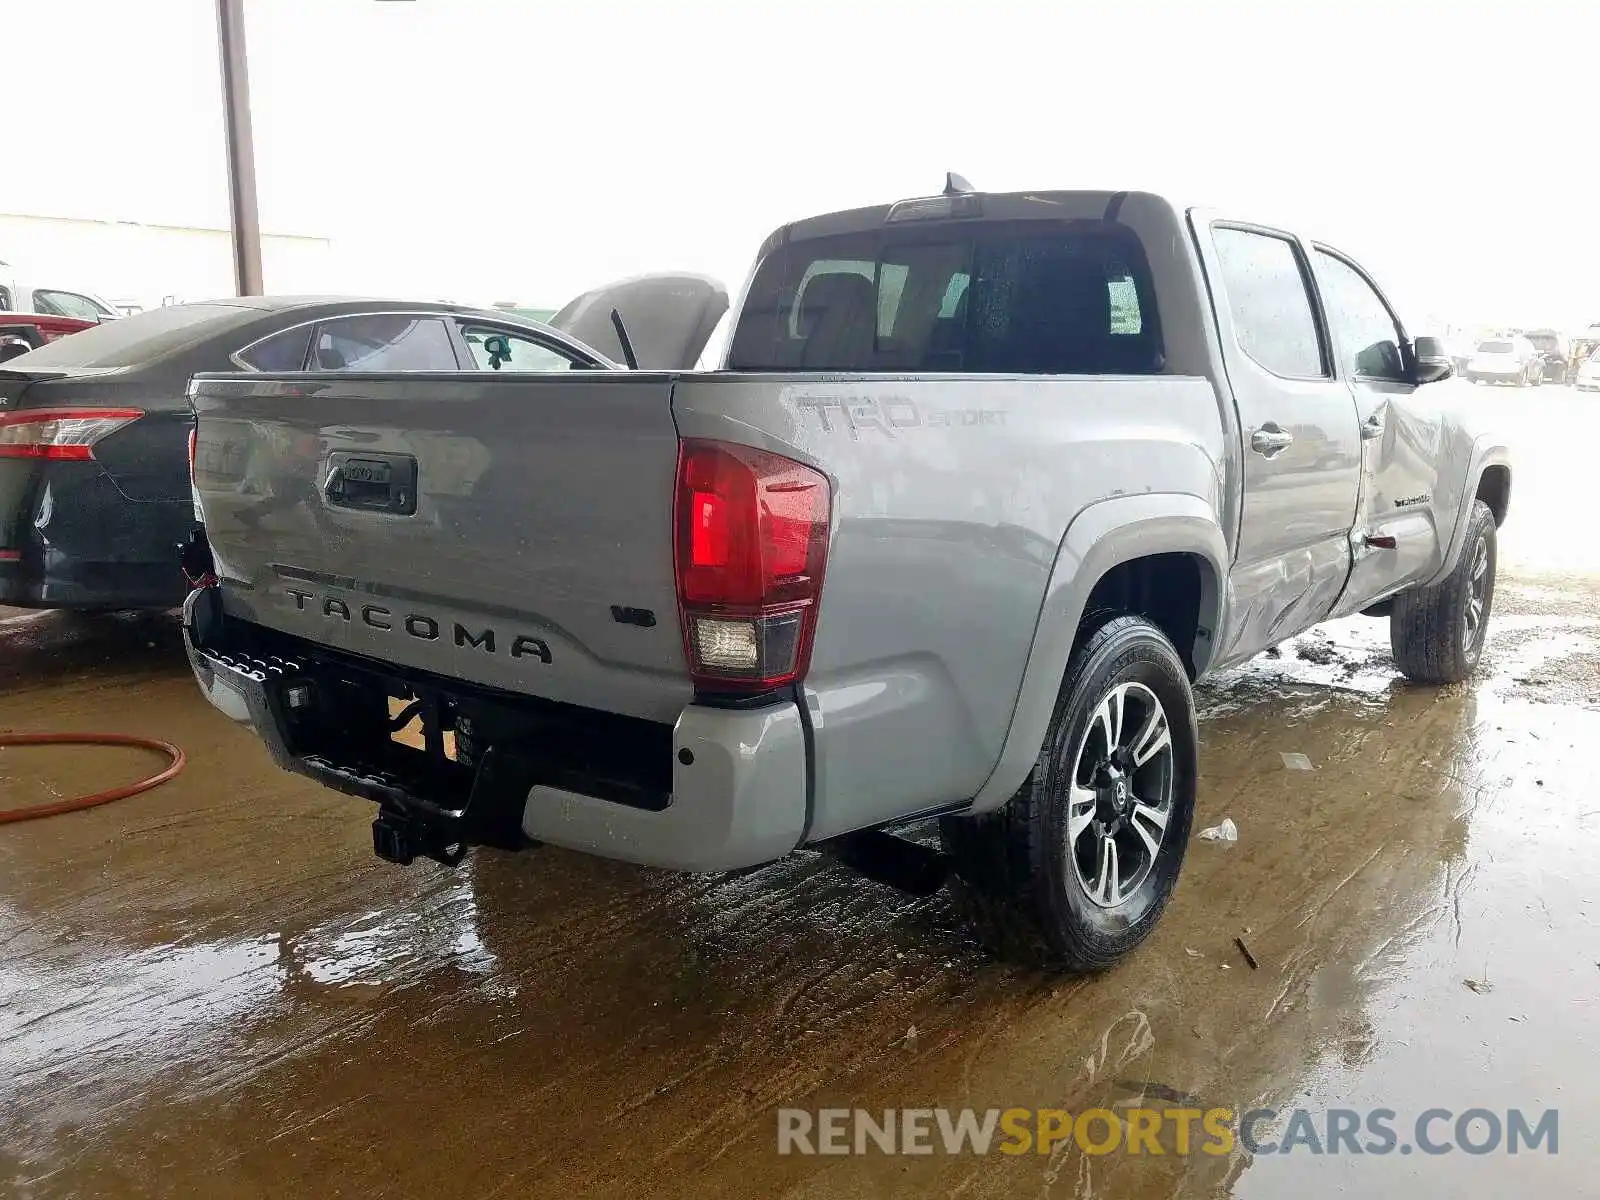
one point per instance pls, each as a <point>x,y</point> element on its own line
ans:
<point>668,318</point>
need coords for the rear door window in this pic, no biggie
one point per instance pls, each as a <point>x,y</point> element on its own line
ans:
<point>1027,298</point>
<point>383,342</point>
<point>1265,282</point>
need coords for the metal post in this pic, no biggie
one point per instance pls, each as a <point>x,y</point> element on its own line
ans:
<point>241,149</point>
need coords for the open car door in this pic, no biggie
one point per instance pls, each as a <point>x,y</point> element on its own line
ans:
<point>668,318</point>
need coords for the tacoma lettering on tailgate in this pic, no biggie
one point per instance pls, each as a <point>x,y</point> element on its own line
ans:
<point>420,626</point>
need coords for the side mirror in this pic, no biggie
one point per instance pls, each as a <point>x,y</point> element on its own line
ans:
<point>1431,361</point>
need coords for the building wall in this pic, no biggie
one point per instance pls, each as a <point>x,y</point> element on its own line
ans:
<point>146,264</point>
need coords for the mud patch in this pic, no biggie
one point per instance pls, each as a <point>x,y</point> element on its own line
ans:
<point>1551,665</point>
<point>1349,656</point>
<point>1550,658</point>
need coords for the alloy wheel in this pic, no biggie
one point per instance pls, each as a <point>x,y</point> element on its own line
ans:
<point>1477,597</point>
<point>1121,794</point>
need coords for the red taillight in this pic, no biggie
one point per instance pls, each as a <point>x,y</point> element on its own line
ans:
<point>59,433</point>
<point>752,540</point>
<point>194,447</point>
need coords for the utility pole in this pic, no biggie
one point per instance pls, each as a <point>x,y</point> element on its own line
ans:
<point>246,224</point>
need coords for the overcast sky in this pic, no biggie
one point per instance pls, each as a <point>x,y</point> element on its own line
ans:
<point>523,149</point>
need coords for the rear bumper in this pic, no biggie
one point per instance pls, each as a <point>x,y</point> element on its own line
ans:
<point>70,539</point>
<point>738,778</point>
<point>69,583</point>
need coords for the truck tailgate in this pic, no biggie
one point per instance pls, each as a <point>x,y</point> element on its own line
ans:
<point>514,531</point>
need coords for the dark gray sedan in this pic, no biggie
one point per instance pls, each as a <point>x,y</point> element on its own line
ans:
<point>94,474</point>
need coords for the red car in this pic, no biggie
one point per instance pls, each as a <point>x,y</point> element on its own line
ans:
<point>22,332</point>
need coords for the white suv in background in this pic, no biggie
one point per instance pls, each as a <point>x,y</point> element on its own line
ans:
<point>1588,377</point>
<point>1506,360</point>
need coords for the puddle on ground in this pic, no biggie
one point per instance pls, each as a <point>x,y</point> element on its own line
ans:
<point>215,988</point>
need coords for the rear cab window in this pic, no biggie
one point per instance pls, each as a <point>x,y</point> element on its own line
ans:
<point>1037,298</point>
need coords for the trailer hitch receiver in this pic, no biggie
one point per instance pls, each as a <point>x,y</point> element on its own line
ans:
<point>401,838</point>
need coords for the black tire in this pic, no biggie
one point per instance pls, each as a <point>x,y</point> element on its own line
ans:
<point>1428,630</point>
<point>1016,879</point>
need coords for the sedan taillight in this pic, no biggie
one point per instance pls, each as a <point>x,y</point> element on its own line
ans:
<point>58,434</point>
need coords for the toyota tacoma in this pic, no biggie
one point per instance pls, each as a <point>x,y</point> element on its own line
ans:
<point>978,488</point>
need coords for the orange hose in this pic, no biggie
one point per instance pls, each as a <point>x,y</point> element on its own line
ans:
<point>93,799</point>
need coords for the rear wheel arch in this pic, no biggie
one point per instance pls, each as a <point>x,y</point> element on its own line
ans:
<point>1161,556</point>
<point>1176,591</point>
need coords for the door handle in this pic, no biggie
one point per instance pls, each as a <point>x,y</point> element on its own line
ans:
<point>1371,428</point>
<point>1270,440</point>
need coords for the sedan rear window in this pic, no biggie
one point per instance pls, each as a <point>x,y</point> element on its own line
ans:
<point>142,338</point>
<point>1033,298</point>
<point>1494,347</point>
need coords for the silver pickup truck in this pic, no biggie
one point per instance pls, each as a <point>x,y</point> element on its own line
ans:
<point>983,483</point>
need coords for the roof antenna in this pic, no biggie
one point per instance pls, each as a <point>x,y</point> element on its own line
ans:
<point>956,185</point>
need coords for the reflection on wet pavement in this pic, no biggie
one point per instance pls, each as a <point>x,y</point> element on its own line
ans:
<point>214,989</point>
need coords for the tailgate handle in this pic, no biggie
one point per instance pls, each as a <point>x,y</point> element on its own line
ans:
<point>370,482</point>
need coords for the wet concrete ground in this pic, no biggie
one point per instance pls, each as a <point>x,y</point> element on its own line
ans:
<point>215,990</point>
